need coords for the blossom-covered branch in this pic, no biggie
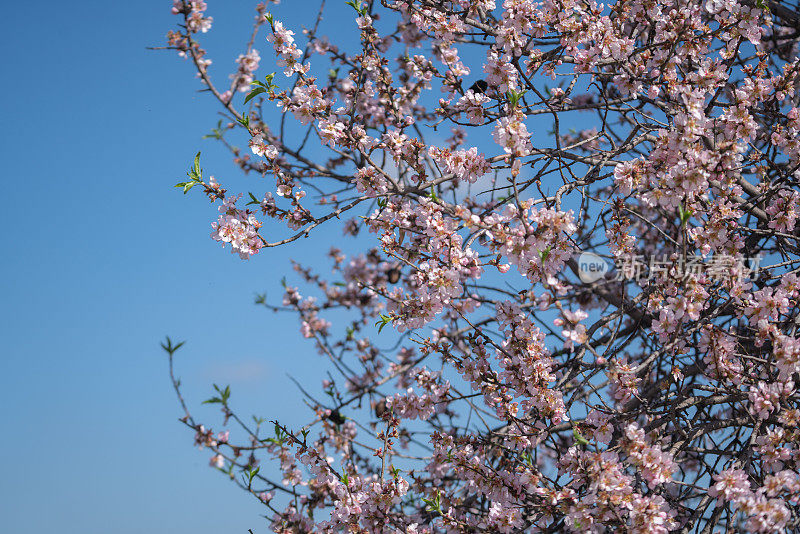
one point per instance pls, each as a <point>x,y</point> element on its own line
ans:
<point>489,370</point>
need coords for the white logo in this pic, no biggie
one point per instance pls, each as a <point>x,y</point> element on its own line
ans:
<point>591,267</point>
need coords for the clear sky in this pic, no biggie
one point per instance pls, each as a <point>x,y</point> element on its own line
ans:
<point>102,257</point>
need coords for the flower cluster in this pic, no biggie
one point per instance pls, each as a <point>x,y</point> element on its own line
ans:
<point>248,63</point>
<point>288,53</point>
<point>239,228</point>
<point>763,514</point>
<point>196,21</point>
<point>411,405</point>
<point>466,165</point>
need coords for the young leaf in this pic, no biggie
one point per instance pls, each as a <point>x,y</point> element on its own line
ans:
<point>385,319</point>
<point>254,93</point>
<point>544,254</point>
<point>170,348</point>
<point>433,505</point>
<point>251,475</point>
<point>186,185</point>
<point>357,6</point>
<point>684,214</point>
<point>579,439</point>
<point>196,172</point>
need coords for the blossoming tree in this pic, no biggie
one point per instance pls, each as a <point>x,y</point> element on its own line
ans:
<point>488,160</point>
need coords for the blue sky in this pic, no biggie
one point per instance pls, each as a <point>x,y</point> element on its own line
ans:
<point>102,258</point>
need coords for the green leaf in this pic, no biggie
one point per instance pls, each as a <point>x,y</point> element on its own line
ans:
<point>196,165</point>
<point>224,395</point>
<point>385,319</point>
<point>357,6</point>
<point>195,174</point>
<point>579,439</point>
<point>527,458</point>
<point>514,97</point>
<point>216,133</point>
<point>244,121</point>
<point>254,93</point>
<point>170,348</point>
<point>251,475</point>
<point>544,254</point>
<point>433,505</point>
<point>684,214</point>
<point>187,185</point>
